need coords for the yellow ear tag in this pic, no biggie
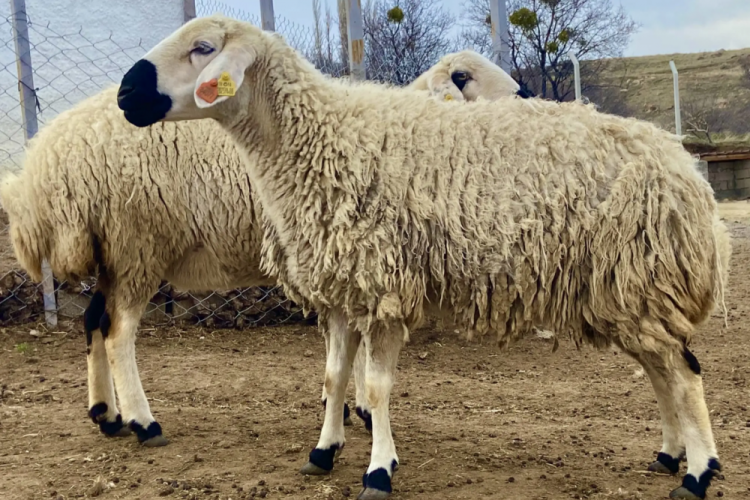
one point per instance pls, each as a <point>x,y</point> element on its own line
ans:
<point>448,97</point>
<point>226,85</point>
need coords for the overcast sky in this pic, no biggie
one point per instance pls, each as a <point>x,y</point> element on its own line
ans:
<point>667,26</point>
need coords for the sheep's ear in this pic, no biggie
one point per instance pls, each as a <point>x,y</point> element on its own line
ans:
<point>443,87</point>
<point>222,78</point>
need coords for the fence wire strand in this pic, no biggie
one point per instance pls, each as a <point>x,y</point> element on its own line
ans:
<point>69,64</point>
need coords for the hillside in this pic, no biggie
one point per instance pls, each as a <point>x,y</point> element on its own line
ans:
<point>712,80</point>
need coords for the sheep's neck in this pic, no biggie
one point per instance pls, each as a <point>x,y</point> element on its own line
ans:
<point>298,168</point>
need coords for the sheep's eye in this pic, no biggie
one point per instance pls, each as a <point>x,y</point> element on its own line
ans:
<point>460,75</point>
<point>203,49</point>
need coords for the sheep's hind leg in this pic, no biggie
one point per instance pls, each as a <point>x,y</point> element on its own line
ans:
<point>102,402</point>
<point>383,347</point>
<point>703,462</point>
<point>673,445</point>
<point>362,408</point>
<point>120,346</point>
<point>342,347</point>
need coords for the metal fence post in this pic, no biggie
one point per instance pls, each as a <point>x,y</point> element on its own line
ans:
<point>188,7</point>
<point>356,39</point>
<point>499,33</point>
<point>576,74</point>
<point>267,19</point>
<point>677,116</point>
<point>28,102</point>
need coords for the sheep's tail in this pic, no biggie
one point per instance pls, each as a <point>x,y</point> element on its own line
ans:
<point>723,244</point>
<point>28,237</point>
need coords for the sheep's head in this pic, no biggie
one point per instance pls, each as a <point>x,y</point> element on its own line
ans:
<point>476,77</point>
<point>191,73</point>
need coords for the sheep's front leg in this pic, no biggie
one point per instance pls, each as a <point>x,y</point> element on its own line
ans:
<point>382,349</point>
<point>324,397</point>
<point>102,402</point>
<point>342,347</point>
<point>120,346</point>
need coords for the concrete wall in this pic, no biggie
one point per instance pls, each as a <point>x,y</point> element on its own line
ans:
<point>730,179</point>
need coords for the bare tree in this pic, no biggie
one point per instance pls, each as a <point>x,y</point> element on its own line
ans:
<point>706,116</point>
<point>327,53</point>
<point>403,38</point>
<point>543,32</point>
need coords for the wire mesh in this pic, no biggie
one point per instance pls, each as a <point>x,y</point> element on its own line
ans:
<point>68,66</point>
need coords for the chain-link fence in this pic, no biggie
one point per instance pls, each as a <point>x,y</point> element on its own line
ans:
<point>68,64</point>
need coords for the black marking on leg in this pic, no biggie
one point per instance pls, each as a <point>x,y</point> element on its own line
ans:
<point>324,458</point>
<point>365,416</point>
<point>104,323</point>
<point>692,361</point>
<point>112,428</point>
<point>347,412</point>
<point>671,463</point>
<point>144,434</point>
<point>698,487</point>
<point>379,479</point>
<point>98,412</point>
<point>93,314</point>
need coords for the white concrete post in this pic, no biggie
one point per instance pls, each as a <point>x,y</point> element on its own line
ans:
<point>267,18</point>
<point>28,101</point>
<point>499,33</point>
<point>576,74</point>
<point>677,116</point>
<point>356,39</point>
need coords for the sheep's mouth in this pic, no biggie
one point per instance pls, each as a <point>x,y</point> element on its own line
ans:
<point>139,98</point>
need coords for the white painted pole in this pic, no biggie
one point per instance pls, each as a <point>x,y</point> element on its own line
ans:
<point>499,33</point>
<point>267,18</point>
<point>356,39</point>
<point>28,102</point>
<point>576,74</point>
<point>677,115</point>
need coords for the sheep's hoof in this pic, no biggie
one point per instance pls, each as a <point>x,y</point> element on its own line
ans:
<point>372,494</point>
<point>310,469</point>
<point>155,442</point>
<point>684,494</point>
<point>150,436</point>
<point>122,432</point>
<point>660,468</point>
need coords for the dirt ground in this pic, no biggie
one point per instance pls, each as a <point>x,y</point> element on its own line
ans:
<point>242,411</point>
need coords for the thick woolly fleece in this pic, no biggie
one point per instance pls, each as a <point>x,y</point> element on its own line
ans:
<point>171,201</point>
<point>509,214</point>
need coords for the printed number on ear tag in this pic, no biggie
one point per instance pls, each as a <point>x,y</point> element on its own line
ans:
<point>208,91</point>
<point>226,85</point>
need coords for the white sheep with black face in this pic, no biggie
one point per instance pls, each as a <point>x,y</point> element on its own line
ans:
<point>86,200</point>
<point>502,215</point>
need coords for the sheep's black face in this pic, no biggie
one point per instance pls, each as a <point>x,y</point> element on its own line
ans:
<point>139,98</point>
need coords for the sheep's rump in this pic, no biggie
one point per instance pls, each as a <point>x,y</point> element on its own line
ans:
<point>510,215</point>
<point>171,201</point>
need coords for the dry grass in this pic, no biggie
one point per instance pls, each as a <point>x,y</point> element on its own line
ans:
<point>646,82</point>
